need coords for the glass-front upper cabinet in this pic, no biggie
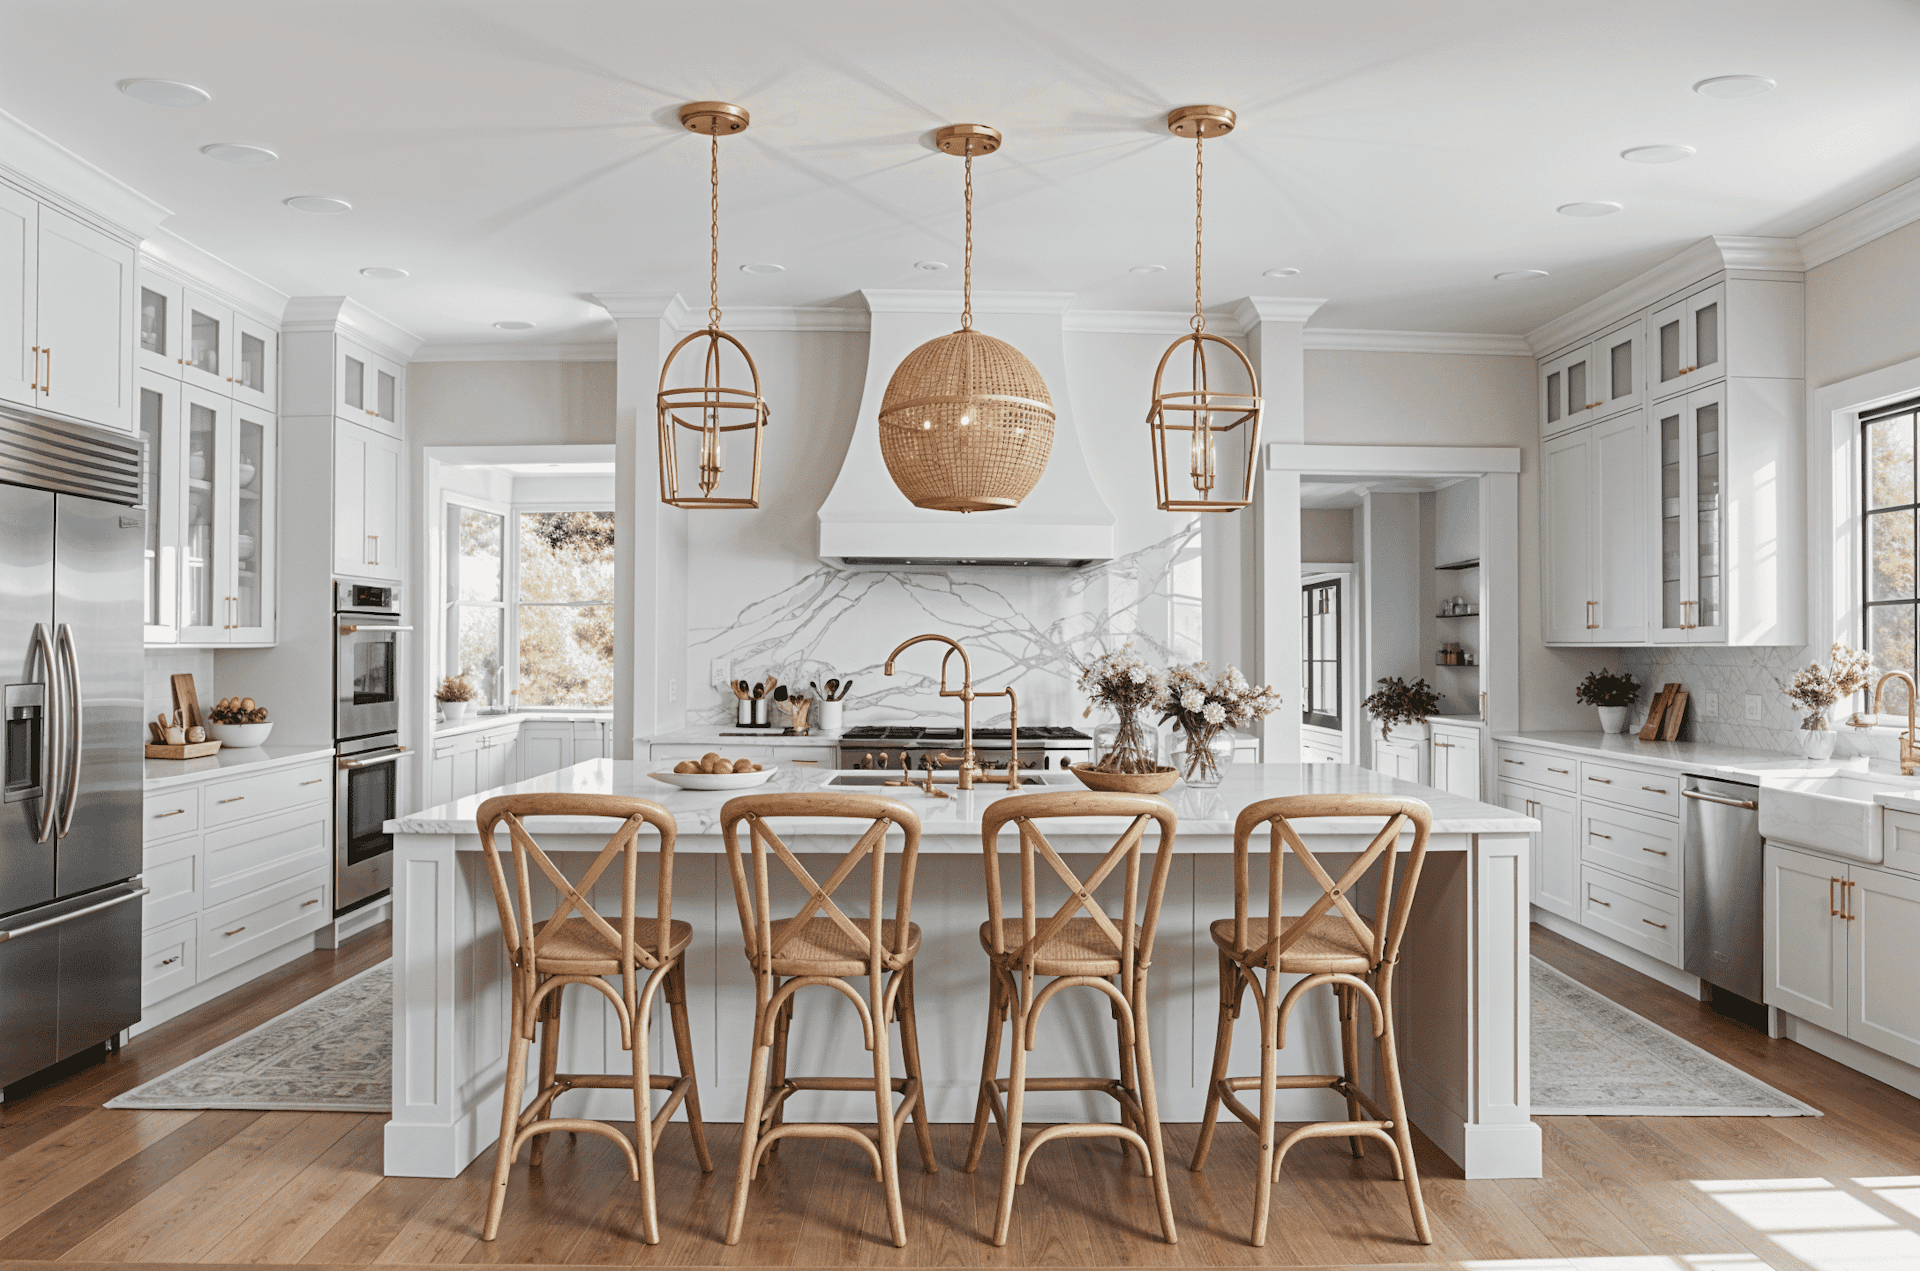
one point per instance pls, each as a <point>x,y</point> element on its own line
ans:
<point>206,355</point>
<point>252,561</point>
<point>160,496</point>
<point>1689,342</point>
<point>256,357</point>
<point>227,579</point>
<point>1618,369</point>
<point>156,347</point>
<point>369,389</point>
<point>1691,454</point>
<point>203,601</point>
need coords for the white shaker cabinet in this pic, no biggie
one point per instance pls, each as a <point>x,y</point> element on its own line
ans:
<point>66,315</point>
<point>19,255</point>
<point>1883,937</point>
<point>366,513</point>
<point>1687,341</point>
<point>1403,753</point>
<point>1455,759</point>
<point>1594,379</point>
<point>367,388</point>
<point>1593,558</point>
<point>1553,868</point>
<point>227,593</point>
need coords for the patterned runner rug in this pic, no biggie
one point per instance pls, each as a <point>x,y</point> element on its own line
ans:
<point>1593,1057</point>
<point>331,1053</point>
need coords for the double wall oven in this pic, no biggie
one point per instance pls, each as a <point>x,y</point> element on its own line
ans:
<point>366,739</point>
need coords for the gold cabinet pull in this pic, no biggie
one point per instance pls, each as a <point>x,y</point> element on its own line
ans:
<point>1653,789</point>
<point>235,799</point>
<point>1846,900</point>
<point>1605,781</point>
<point>34,387</point>
<point>1591,624</point>
<point>1561,771</point>
<point>175,812</point>
<point>236,931</point>
<point>1833,908</point>
<point>1651,923</point>
<point>1598,835</point>
<point>1595,900</point>
<point>46,381</point>
<point>316,781</point>
<point>170,961</point>
<point>305,903</point>
<point>1656,851</point>
<point>1520,762</point>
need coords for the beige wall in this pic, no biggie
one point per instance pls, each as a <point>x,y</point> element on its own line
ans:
<point>1861,308</point>
<point>508,403</point>
<point>1444,399</point>
<point>1326,534</point>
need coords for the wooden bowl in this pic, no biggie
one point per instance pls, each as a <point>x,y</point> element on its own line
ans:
<point>1157,782</point>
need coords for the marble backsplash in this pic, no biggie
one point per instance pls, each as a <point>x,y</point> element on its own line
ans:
<point>1733,674</point>
<point>1028,628</point>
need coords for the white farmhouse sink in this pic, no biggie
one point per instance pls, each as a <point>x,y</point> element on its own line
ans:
<point>1839,815</point>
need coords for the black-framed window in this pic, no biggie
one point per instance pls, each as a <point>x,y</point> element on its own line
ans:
<point>1320,654</point>
<point>1890,502</point>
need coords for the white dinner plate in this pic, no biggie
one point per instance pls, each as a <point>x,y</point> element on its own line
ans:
<point>716,780</point>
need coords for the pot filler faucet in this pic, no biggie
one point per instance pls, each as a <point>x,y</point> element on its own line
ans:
<point>971,769</point>
<point>1909,745</point>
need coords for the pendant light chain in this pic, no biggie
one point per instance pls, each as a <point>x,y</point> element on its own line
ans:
<point>713,259</point>
<point>966,272</point>
<point>1199,169</point>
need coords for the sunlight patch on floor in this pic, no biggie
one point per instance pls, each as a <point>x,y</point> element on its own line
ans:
<point>1826,1225</point>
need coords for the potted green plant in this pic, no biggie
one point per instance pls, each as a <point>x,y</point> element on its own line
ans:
<point>455,694</point>
<point>1612,694</point>
<point>1398,702</point>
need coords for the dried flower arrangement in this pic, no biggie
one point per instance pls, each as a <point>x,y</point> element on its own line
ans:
<point>455,688</point>
<point>1815,688</point>
<point>1203,710</point>
<point>1398,702</point>
<point>1124,684</point>
<point>1604,688</point>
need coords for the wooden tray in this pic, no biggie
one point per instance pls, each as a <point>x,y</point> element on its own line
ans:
<point>192,750</point>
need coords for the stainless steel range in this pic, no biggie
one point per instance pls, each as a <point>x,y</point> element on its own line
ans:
<point>880,746</point>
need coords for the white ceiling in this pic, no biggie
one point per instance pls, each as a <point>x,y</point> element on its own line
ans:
<point>518,158</point>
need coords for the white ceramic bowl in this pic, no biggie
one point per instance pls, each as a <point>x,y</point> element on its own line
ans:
<point>716,780</point>
<point>240,736</point>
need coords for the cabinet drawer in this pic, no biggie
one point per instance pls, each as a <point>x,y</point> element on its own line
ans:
<point>1630,843</point>
<point>253,925</point>
<point>1900,840</point>
<point>727,746</point>
<point>169,961</point>
<point>245,858</point>
<point>245,797</point>
<point>171,813</point>
<point>1552,772</point>
<point>1632,913</point>
<point>172,875</point>
<point>812,757</point>
<point>1657,792</point>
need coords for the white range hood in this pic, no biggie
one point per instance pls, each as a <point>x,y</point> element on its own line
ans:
<point>866,523</point>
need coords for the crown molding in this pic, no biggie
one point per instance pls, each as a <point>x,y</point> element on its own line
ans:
<point>1692,263</point>
<point>580,351</point>
<point>173,255</point>
<point>1249,310</point>
<point>1337,339</point>
<point>660,305</point>
<point>918,301</point>
<point>1159,322</point>
<point>56,175</point>
<point>1466,461</point>
<point>328,313</point>
<point>774,318</point>
<point>1858,226</point>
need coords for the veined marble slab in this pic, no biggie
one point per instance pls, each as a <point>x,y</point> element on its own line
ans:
<point>1205,815</point>
<point>1704,758</point>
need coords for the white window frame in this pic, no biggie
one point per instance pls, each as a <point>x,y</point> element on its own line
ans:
<point>513,584</point>
<point>449,630</point>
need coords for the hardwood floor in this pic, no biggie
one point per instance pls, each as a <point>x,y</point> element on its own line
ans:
<point>83,1186</point>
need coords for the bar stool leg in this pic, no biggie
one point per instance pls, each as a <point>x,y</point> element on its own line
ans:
<point>1269,1096</point>
<point>989,1068</point>
<point>676,987</point>
<point>883,1106</point>
<point>1397,1108</point>
<point>1016,1101</point>
<point>1232,987</point>
<point>1150,1107</point>
<point>910,1057</point>
<point>510,1100</point>
<point>1128,1082</point>
<point>750,1122</point>
<point>549,1019</point>
<point>1350,1044</point>
<point>778,1067</point>
<point>643,1125</point>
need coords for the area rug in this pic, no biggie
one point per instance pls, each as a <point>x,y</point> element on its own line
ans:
<point>1593,1057</point>
<point>331,1053</point>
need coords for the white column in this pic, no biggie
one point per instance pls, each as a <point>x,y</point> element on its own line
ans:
<point>650,538</point>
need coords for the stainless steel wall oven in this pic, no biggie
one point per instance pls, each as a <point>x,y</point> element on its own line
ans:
<point>366,740</point>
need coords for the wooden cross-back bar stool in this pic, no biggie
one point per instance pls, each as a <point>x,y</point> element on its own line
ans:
<point>1071,951</point>
<point>1330,943</point>
<point>578,945</point>
<point>821,945</point>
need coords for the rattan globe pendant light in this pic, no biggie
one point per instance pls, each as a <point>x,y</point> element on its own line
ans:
<point>696,419</point>
<point>1192,425</point>
<point>966,423</point>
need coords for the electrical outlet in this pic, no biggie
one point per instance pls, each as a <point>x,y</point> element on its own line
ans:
<point>1753,706</point>
<point>719,673</point>
<point>1710,705</point>
<point>673,689</point>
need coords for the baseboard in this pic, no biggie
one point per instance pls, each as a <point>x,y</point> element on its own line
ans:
<point>347,926</point>
<point>1844,1050</point>
<point>1671,976</point>
<point>200,994</point>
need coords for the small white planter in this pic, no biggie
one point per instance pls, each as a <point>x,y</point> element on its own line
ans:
<point>240,736</point>
<point>829,717</point>
<point>454,712</point>
<point>1613,719</point>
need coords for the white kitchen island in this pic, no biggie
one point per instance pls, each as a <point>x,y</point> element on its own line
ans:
<point>1462,985</point>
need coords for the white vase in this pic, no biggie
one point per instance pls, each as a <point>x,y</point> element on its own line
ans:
<point>1613,719</point>
<point>454,712</point>
<point>1816,737</point>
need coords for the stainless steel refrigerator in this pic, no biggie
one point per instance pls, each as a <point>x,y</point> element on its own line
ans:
<point>72,548</point>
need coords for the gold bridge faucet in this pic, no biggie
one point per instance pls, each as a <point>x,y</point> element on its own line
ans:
<point>971,769</point>
<point>1909,745</point>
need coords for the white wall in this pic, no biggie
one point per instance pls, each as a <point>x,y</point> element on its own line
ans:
<point>1326,535</point>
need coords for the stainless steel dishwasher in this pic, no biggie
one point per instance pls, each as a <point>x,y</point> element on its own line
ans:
<point>1725,882</point>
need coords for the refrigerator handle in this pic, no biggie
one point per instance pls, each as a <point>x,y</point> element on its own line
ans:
<point>50,716</point>
<point>70,656</point>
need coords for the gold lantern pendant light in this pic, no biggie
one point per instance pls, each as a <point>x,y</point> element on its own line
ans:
<point>699,416</point>
<point>966,423</point>
<point>1191,426</point>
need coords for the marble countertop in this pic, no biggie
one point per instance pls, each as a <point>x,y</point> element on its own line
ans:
<point>161,773</point>
<point>1206,816</point>
<point>720,736</point>
<point>1703,758</point>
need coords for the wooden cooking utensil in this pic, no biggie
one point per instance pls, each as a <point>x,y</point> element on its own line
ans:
<point>844,690</point>
<point>832,687</point>
<point>771,681</point>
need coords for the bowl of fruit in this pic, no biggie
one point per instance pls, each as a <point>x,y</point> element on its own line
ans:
<point>238,722</point>
<point>714,771</point>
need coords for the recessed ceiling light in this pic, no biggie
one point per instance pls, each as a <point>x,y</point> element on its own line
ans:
<point>1148,269</point>
<point>1519,275</point>
<point>1657,154</point>
<point>165,92</point>
<point>318,204</point>
<point>1734,86</point>
<point>514,324</point>
<point>1286,272</point>
<point>930,266</point>
<point>385,273</point>
<point>763,267</point>
<point>1587,209</point>
<point>235,152</point>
